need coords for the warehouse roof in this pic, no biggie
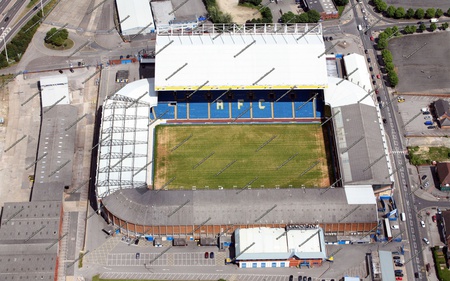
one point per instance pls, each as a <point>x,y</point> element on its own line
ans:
<point>55,154</point>
<point>139,16</point>
<point>227,206</point>
<point>276,243</point>
<point>278,59</point>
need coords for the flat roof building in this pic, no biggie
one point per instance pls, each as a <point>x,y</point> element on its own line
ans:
<point>54,89</point>
<point>135,17</point>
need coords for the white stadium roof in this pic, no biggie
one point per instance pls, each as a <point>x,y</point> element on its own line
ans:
<point>123,139</point>
<point>54,89</point>
<point>276,243</point>
<point>140,16</point>
<point>361,76</point>
<point>241,60</point>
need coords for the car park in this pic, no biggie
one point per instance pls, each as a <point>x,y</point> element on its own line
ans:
<point>206,255</point>
<point>211,255</point>
<point>426,241</point>
<point>422,223</point>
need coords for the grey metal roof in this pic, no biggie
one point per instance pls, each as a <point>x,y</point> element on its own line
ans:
<point>360,145</point>
<point>255,206</point>
<point>387,266</point>
<point>30,222</point>
<point>52,172</point>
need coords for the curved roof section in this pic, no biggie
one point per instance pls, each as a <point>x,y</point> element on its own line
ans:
<point>247,60</point>
<point>191,207</point>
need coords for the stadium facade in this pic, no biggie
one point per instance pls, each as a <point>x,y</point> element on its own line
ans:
<point>254,74</point>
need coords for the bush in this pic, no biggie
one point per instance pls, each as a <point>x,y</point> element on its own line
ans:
<point>341,2</point>
<point>252,2</point>
<point>433,26</point>
<point>410,29</point>
<point>422,27</point>
<point>430,13</point>
<point>448,12</point>
<point>390,11</point>
<point>389,66</point>
<point>311,16</point>
<point>409,13</point>
<point>400,13</point>
<point>215,14</point>
<point>56,37</point>
<point>439,13</point>
<point>444,25</point>
<point>419,14</point>
<point>393,78</point>
<point>387,56</point>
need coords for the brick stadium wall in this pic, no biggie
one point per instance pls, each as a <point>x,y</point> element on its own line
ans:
<point>213,230</point>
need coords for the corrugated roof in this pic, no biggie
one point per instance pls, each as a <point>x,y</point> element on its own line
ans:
<point>241,61</point>
<point>362,152</point>
<point>140,15</point>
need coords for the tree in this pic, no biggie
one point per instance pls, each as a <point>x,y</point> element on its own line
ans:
<point>390,11</point>
<point>313,16</point>
<point>422,27</point>
<point>387,56</point>
<point>288,17</point>
<point>389,66</point>
<point>444,25</point>
<point>409,13</point>
<point>393,78</point>
<point>430,13</point>
<point>400,13</point>
<point>56,37</point>
<point>420,14</point>
<point>448,12</point>
<point>439,13</point>
<point>253,2</point>
<point>433,26</point>
<point>382,44</point>
<point>407,29</point>
<point>382,6</point>
<point>394,30</point>
<point>386,33</point>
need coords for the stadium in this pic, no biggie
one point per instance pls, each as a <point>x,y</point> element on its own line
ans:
<point>243,128</point>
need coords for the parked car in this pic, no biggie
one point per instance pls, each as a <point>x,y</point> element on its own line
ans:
<point>433,218</point>
<point>431,127</point>
<point>439,211</point>
<point>366,51</point>
<point>300,278</point>
<point>426,241</point>
<point>424,177</point>
<point>373,76</point>
<point>378,76</point>
<point>211,255</point>
<point>370,68</point>
<point>396,257</point>
<point>60,71</point>
<point>369,60</point>
<point>427,117</point>
<point>372,39</point>
<point>400,99</point>
<point>422,223</point>
<point>309,279</point>
<point>399,264</point>
<point>138,255</point>
<point>377,91</point>
<point>398,278</point>
<point>206,255</point>
<point>291,277</point>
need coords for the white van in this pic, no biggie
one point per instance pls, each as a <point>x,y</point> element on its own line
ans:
<point>403,216</point>
<point>359,27</point>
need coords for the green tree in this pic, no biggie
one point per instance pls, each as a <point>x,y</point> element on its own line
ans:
<point>407,29</point>
<point>409,13</point>
<point>394,30</point>
<point>422,27</point>
<point>56,37</point>
<point>387,56</point>
<point>386,33</point>
<point>390,11</point>
<point>400,13</point>
<point>448,12</point>
<point>389,66</point>
<point>439,13</point>
<point>253,2</point>
<point>433,26</point>
<point>382,6</point>
<point>314,16</point>
<point>430,13</point>
<point>419,13</point>
<point>382,44</point>
<point>444,25</point>
<point>288,17</point>
<point>393,78</point>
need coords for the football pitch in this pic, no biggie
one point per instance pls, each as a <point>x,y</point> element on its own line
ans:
<point>234,156</point>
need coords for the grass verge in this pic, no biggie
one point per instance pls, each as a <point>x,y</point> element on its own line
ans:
<point>426,155</point>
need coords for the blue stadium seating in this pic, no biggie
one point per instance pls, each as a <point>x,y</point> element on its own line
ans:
<point>262,109</point>
<point>181,110</point>
<point>198,110</point>
<point>163,111</point>
<point>220,109</point>
<point>240,102</point>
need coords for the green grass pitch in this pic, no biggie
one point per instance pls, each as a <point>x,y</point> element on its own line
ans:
<point>226,156</point>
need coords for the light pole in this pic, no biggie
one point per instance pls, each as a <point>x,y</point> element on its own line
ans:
<point>3,36</point>
<point>42,9</point>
